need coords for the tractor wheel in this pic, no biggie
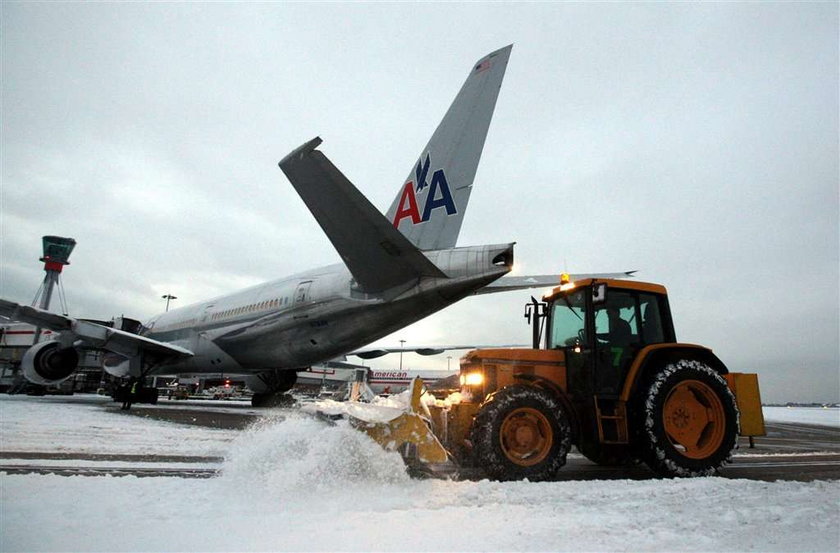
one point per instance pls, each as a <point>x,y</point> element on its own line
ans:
<point>688,424</point>
<point>521,432</point>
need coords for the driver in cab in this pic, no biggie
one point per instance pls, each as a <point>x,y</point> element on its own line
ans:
<point>620,333</point>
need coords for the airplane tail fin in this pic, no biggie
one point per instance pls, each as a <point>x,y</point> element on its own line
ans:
<point>430,205</point>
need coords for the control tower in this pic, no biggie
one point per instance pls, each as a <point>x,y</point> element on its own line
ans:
<point>57,251</point>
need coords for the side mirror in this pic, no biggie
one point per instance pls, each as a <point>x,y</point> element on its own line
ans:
<point>599,293</point>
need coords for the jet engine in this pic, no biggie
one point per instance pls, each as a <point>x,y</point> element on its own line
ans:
<point>48,363</point>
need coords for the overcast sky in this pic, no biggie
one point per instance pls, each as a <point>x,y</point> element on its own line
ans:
<point>697,143</point>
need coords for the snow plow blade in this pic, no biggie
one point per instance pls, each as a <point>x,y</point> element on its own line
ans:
<point>409,433</point>
<point>405,428</point>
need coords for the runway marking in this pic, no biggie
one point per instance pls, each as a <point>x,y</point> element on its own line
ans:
<point>109,471</point>
<point>82,456</point>
<point>783,464</point>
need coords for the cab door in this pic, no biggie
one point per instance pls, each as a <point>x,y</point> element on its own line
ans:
<point>617,339</point>
<point>624,323</point>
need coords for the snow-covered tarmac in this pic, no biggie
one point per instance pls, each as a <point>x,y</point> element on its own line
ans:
<point>302,486</point>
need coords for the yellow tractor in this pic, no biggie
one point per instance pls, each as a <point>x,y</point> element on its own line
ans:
<point>607,375</point>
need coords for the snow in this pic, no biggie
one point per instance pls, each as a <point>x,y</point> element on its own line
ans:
<point>822,416</point>
<point>381,409</point>
<point>296,484</point>
<point>363,411</point>
<point>79,424</point>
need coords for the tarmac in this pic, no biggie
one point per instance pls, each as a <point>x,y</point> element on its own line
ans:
<point>795,452</point>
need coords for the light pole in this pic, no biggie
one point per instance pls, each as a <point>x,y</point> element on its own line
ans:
<point>448,359</point>
<point>402,342</point>
<point>168,297</point>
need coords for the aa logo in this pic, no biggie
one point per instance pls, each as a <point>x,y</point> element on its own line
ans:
<point>433,196</point>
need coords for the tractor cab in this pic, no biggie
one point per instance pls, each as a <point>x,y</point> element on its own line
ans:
<point>602,325</point>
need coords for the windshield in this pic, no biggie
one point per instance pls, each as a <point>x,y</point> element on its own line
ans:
<point>567,320</point>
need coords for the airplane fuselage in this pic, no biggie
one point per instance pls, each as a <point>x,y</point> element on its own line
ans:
<point>315,316</point>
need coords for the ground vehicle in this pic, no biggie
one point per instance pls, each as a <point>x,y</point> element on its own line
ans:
<point>607,376</point>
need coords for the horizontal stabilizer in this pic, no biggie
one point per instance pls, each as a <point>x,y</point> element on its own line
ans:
<point>373,353</point>
<point>510,283</point>
<point>377,254</point>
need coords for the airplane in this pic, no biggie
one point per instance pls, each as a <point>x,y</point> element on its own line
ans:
<point>397,269</point>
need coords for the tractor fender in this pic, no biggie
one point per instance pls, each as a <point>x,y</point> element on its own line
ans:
<point>554,389</point>
<point>654,356</point>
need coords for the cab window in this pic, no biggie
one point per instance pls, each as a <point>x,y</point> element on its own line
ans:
<point>652,329</point>
<point>567,320</point>
<point>616,321</point>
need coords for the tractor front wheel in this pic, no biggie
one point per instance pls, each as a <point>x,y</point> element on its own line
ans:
<point>689,420</point>
<point>521,432</point>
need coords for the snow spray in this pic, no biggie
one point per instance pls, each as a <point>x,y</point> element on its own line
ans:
<point>300,453</point>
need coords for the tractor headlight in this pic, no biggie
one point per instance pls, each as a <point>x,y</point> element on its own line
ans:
<point>472,379</point>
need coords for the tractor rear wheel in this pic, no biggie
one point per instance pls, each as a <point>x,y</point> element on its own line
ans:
<point>521,432</point>
<point>689,420</point>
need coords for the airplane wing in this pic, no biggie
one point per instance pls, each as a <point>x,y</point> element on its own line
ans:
<point>377,254</point>
<point>92,335</point>
<point>373,353</point>
<point>509,283</point>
